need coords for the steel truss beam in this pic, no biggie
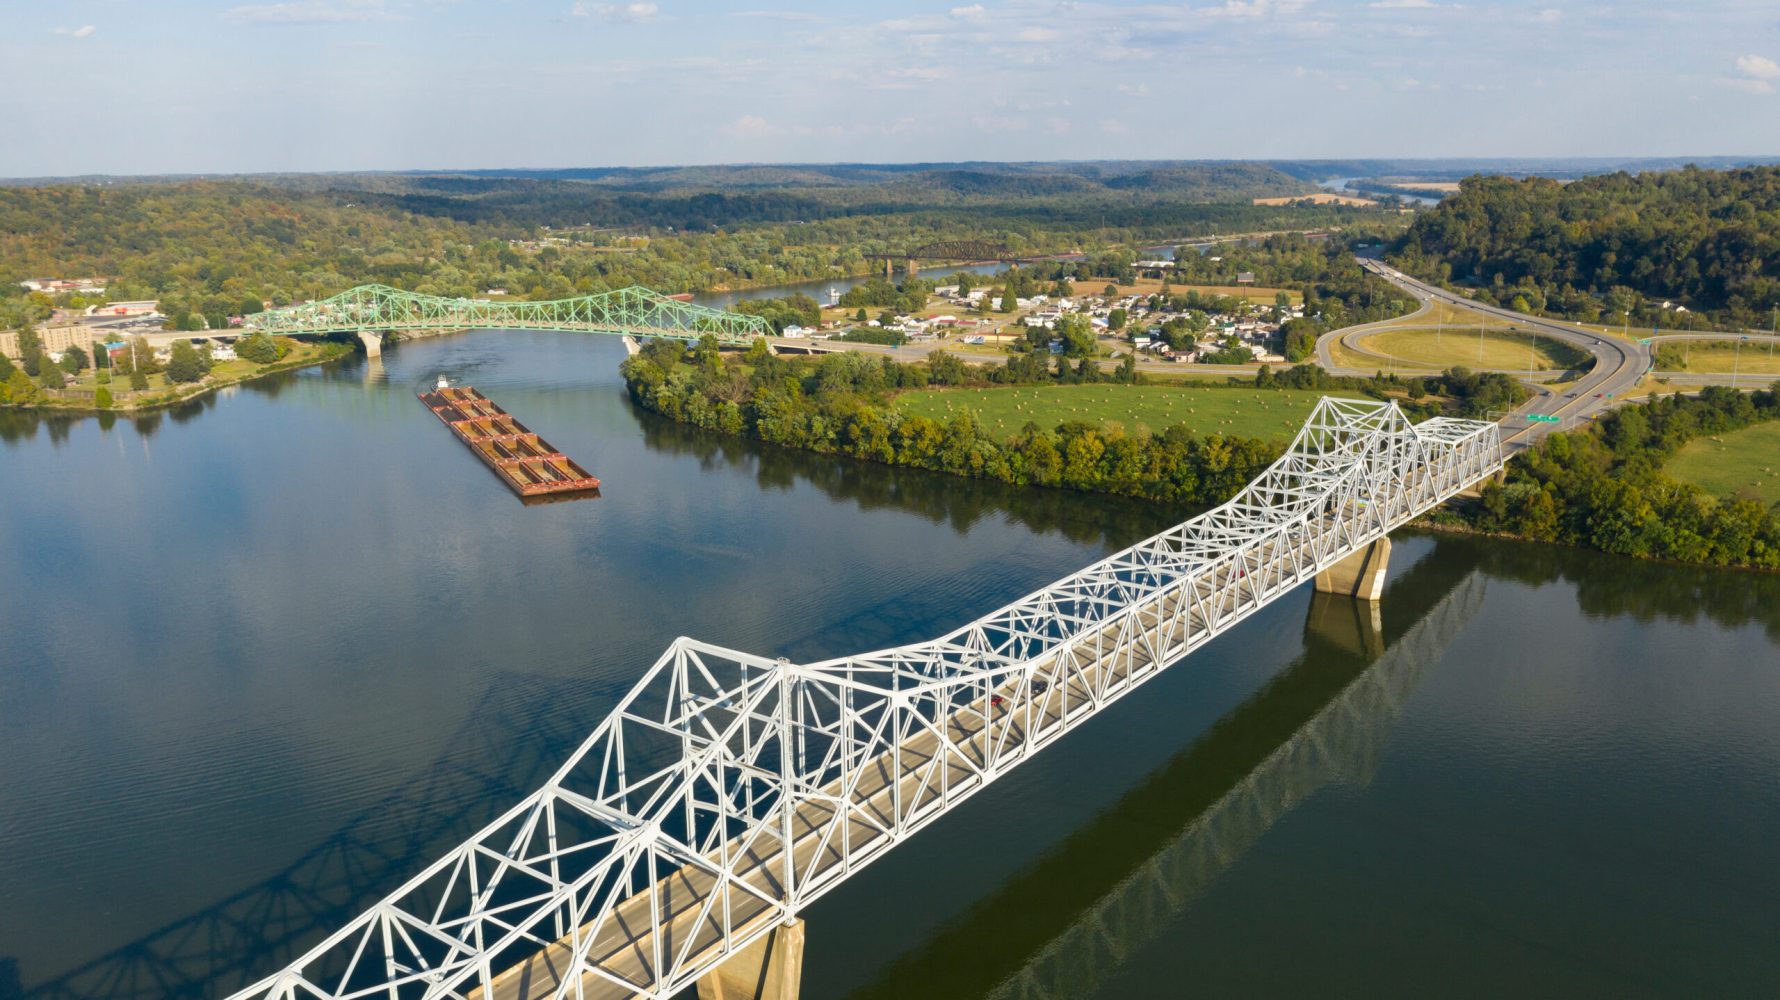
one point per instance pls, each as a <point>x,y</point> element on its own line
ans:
<point>727,791</point>
<point>628,311</point>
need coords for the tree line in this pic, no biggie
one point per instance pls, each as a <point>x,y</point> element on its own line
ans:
<point>840,405</point>
<point>1604,488</point>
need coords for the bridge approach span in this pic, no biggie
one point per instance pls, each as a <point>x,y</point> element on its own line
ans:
<point>633,311</point>
<point>728,791</point>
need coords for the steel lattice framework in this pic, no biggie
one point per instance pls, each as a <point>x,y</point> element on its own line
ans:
<point>727,791</point>
<point>628,311</point>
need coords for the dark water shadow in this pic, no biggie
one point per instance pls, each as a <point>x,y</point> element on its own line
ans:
<point>1109,883</point>
<point>1615,586</point>
<point>517,735</point>
<point>957,501</point>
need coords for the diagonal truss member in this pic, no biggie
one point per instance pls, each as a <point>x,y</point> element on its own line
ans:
<point>633,311</point>
<point>727,791</point>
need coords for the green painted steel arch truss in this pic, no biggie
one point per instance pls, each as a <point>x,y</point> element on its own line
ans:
<point>633,311</point>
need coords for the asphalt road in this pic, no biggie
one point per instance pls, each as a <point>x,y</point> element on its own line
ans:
<point>1619,364</point>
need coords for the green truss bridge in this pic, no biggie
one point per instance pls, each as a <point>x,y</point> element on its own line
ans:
<point>370,311</point>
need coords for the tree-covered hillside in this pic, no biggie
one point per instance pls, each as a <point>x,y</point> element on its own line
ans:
<point>1598,247</point>
<point>212,249</point>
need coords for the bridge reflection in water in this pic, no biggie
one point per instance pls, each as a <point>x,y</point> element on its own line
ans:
<point>1323,721</point>
<point>226,946</point>
<point>1333,708</point>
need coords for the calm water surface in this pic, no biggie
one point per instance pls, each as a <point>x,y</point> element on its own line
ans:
<point>265,656</point>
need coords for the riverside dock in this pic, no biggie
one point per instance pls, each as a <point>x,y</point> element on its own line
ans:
<point>528,464</point>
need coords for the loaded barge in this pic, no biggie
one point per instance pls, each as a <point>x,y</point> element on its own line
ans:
<point>525,461</point>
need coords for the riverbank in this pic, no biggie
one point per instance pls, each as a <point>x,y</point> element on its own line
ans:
<point>83,397</point>
<point>1600,489</point>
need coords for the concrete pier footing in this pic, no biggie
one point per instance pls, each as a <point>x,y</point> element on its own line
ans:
<point>1360,575</point>
<point>373,342</point>
<point>1351,626</point>
<point>769,969</point>
<point>631,347</point>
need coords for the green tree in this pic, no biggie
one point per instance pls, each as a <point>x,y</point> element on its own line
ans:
<point>20,390</point>
<point>259,349</point>
<point>102,398</point>
<point>30,350</point>
<point>185,365</point>
<point>74,359</point>
<point>138,379</point>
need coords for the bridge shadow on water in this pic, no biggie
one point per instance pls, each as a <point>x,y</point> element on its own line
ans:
<point>1062,925</point>
<point>509,745</point>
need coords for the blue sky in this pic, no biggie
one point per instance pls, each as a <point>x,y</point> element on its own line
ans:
<point>128,86</point>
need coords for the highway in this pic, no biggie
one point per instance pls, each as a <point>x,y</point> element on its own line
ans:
<point>1619,364</point>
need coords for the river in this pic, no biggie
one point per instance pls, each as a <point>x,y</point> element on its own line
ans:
<point>268,654</point>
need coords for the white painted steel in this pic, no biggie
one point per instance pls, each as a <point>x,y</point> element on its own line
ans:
<point>658,849</point>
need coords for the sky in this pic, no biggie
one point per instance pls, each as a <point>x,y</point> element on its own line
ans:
<point>176,86</point>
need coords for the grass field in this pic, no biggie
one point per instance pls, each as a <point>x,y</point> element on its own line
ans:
<point>1743,463</point>
<point>1451,317</point>
<point>1722,357</point>
<point>1264,413</point>
<point>1429,348</point>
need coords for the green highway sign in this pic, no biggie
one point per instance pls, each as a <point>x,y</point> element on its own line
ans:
<point>1540,418</point>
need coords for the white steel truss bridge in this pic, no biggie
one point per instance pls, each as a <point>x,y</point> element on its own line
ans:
<point>727,791</point>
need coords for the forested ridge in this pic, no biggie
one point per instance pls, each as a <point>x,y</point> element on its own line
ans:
<point>1604,246</point>
<point>211,248</point>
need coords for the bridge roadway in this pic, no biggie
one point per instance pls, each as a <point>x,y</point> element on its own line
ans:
<point>1024,721</point>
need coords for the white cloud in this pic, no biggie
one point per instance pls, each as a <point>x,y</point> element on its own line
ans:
<point>310,12</point>
<point>80,32</point>
<point>1748,85</point>
<point>1403,5</point>
<point>1550,15</point>
<point>1139,90</point>
<point>974,12</point>
<point>775,15</point>
<point>623,13</point>
<point>1757,67</point>
<point>749,127</point>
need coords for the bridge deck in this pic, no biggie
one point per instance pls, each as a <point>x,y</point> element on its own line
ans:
<point>624,947</point>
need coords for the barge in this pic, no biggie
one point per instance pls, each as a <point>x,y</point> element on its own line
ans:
<point>527,463</point>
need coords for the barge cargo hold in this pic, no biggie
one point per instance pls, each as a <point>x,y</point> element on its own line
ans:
<point>524,461</point>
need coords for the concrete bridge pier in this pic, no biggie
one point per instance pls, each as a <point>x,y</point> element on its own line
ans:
<point>1360,575</point>
<point>373,342</point>
<point>1351,626</point>
<point>769,969</point>
<point>631,347</point>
